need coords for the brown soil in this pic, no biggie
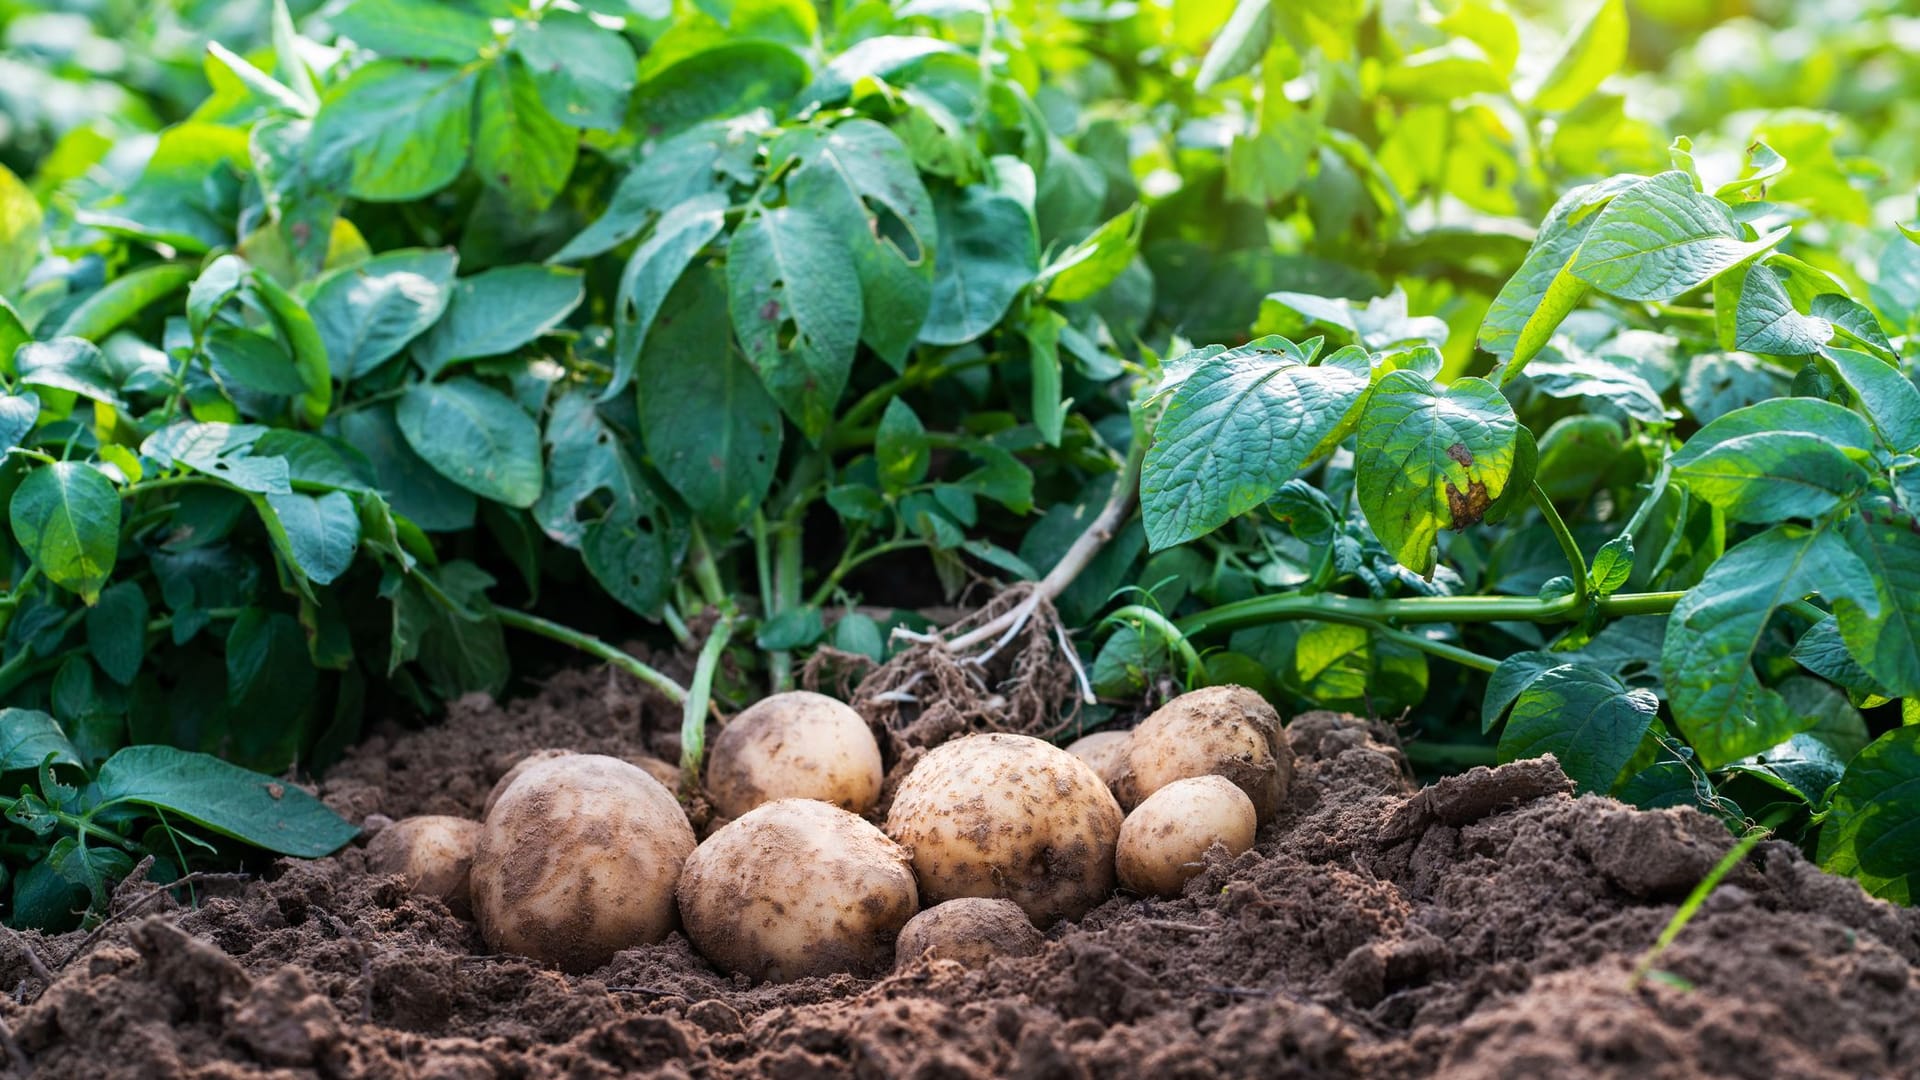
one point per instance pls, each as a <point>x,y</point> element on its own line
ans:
<point>1484,927</point>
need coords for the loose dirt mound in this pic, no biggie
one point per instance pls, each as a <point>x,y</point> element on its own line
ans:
<point>1484,927</point>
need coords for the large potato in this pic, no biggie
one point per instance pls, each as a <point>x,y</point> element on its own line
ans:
<point>1012,817</point>
<point>1227,731</point>
<point>433,853</point>
<point>971,931</point>
<point>668,775</point>
<point>1105,751</point>
<point>1163,841</point>
<point>797,745</point>
<point>578,860</point>
<point>795,888</point>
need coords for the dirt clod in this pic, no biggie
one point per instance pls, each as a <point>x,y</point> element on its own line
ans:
<point>1486,927</point>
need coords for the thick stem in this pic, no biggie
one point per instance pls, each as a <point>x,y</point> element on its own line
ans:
<point>693,712</point>
<point>1568,545</point>
<point>1261,610</point>
<point>706,573</point>
<point>595,647</point>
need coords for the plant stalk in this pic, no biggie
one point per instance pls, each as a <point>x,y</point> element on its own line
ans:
<point>693,713</point>
<point>595,647</point>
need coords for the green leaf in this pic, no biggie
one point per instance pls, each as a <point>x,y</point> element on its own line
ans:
<point>67,363</point>
<point>519,149</point>
<point>398,131</point>
<point>227,799</point>
<point>1595,51</point>
<point>1885,636</point>
<point>585,71</point>
<point>1234,430</point>
<point>708,424</point>
<point>66,517</point>
<point>255,361</point>
<point>1084,269</point>
<point>1238,46</point>
<point>187,196</point>
<point>269,673</point>
<point>900,447</point>
<point>794,628</point>
<point>794,295</point>
<point>18,414</point>
<point>497,311</point>
<point>13,331</point>
<point>416,29</point>
<point>705,160</point>
<point>1510,680</point>
<point>1553,251</point>
<point>317,534</point>
<point>29,737</point>
<point>1588,719</point>
<point>860,634</point>
<point>1661,238</point>
<point>1853,322</point>
<point>1429,459</point>
<point>858,178</point>
<point>732,79</point>
<point>1715,633</point>
<point>222,451</point>
<point>1602,383</point>
<point>417,491</point>
<point>655,266</point>
<point>1822,651</point>
<point>1612,565</point>
<point>1889,399</point>
<point>212,289</point>
<point>122,298</point>
<point>1784,458</point>
<point>1042,328</point>
<point>878,56</point>
<point>988,253</point>
<point>1872,829</point>
<point>1765,321</point>
<point>303,341</point>
<point>19,231</point>
<point>367,313</point>
<point>117,631</point>
<point>474,436</point>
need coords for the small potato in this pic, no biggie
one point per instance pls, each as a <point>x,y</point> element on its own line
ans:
<point>971,930</point>
<point>797,745</point>
<point>796,888</point>
<point>519,769</point>
<point>578,860</point>
<point>1163,840</point>
<point>667,773</point>
<point>1012,817</point>
<point>1106,751</point>
<point>435,855</point>
<point>1227,731</point>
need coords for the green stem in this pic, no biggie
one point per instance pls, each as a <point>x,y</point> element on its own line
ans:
<point>693,712</point>
<point>1261,610</point>
<point>921,374</point>
<point>786,596</point>
<point>706,573</point>
<point>849,562</point>
<point>1464,657</point>
<point>1691,905</point>
<point>1568,545</point>
<point>593,646</point>
<point>1196,669</point>
<point>762,563</point>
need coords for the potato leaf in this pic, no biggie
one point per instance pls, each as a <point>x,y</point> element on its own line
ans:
<point>1430,458</point>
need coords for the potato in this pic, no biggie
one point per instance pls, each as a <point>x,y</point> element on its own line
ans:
<point>578,860</point>
<point>1105,751</point>
<point>1012,817</point>
<point>519,769</point>
<point>1162,842</point>
<point>1227,731</point>
<point>971,930</point>
<point>796,745</point>
<point>796,888</point>
<point>435,855</point>
<point>664,771</point>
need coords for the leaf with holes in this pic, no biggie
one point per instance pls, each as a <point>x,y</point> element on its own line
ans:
<point>793,292</point>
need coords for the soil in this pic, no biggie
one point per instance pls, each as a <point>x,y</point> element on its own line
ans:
<point>1486,926</point>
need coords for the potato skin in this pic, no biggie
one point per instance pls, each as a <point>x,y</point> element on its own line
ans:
<point>797,888</point>
<point>578,860</point>
<point>434,853</point>
<point>1227,731</point>
<point>1162,842</point>
<point>971,931</point>
<point>797,745</point>
<point>518,770</point>
<point>1010,817</point>
<point>1106,751</point>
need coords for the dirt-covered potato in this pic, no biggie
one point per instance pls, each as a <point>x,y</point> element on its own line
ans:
<point>795,888</point>
<point>1163,840</point>
<point>435,855</point>
<point>1105,751</point>
<point>1012,817</point>
<point>797,745</point>
<point>1227,731</point>
<point>578,860</point>
<point>518,770</point>
<point>971,930</point>
<point>664,771</point>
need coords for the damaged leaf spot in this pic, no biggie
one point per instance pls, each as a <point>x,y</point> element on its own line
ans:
<point>1469,506</point>
<point>1460,453</point>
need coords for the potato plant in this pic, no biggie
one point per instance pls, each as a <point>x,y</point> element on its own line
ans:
<point>349,350</point>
